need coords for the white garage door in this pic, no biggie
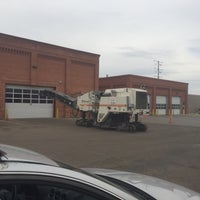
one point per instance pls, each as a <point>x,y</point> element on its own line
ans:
<point>161,105</point>
<point>149,101</point>
<point>26,102</point>
<point>176,105</point>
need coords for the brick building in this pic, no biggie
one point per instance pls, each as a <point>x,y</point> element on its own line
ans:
<point>28,66</point>
<point>164,96</point>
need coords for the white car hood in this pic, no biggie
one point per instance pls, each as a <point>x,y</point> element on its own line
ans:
<point>157,188</point>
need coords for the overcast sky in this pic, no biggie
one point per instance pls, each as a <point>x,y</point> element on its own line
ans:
<point>130,35</point>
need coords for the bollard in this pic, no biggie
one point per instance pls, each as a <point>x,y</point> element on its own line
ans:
<point>6,114</point>
<point>57,113</point>
<point>170,118</point>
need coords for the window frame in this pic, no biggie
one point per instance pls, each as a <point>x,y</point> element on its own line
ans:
<point>57,182</point>
<point>26,96</point>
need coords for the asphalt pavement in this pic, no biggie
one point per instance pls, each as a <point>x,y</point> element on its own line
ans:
<point>169,149</point>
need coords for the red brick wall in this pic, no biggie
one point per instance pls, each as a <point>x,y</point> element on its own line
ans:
<point>50,69</point>
<point>83,77</point>
<point>31,63</point>
<point>14,63</point>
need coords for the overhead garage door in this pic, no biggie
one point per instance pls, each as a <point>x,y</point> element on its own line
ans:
<point>26,102</point>
<point>176,105</point>
<point>161,105</point>
<point>149,101</point>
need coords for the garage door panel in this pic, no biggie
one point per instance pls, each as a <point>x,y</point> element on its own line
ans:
<point>26,102</point>
<point>161,105</point>
<point>17,110</point>
<point>176,105</point>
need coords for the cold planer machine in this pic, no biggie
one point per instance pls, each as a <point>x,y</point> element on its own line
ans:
<point>117,108</point>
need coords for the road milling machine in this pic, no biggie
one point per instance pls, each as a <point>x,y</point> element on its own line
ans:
<point>118,108</point>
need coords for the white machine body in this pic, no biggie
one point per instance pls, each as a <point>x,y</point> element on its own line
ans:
<point>120,100</point>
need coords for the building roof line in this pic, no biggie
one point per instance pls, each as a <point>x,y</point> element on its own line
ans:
<point>146,77</point>
<point>48,44</point>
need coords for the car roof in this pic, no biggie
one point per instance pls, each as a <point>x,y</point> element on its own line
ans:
<point>15,160</point>
<point>10,153</point>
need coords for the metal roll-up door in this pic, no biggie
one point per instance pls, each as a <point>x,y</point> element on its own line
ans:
<point>176,105</point>
<point>149,102</point>
<point>26,102</point>
<point>161,105</point>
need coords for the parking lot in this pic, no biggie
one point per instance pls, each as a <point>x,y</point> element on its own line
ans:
<point>170,149</point>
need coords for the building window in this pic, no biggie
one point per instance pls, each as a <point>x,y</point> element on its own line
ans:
<point>176,106</point>
<point>30,96</point>
<point>161,106</point>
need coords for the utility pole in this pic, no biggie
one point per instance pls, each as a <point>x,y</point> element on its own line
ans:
<point>158,63</point>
